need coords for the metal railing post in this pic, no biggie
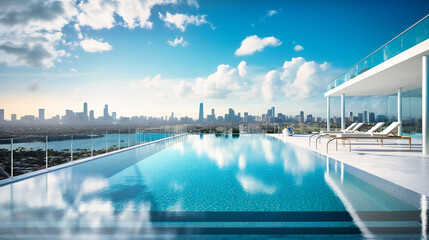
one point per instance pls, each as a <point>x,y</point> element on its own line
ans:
<point>46,148</point>
<point>119,140</point>
<point>71,147</point>
<point>11,157</point>
<point>106,141</point>
<point>92,144</point>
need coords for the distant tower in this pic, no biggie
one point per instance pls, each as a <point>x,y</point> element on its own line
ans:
<point>91,115</point>
<point>201,117</point>
<point>13,117</point>
<point>114,115</point>
<point>85,111</point>
<point>1,115</point>
<point>273,109</point>
<point>41,114</point>
<point>301,116</point>
<point>106,112</point>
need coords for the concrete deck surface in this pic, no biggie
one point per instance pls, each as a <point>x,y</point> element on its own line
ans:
<point>393,162</point>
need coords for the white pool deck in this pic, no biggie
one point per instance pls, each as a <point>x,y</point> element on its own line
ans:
<point>393,162</point>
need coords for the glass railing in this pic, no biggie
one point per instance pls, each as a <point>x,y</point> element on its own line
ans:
<point>31,153</point>
<point>414,35</point>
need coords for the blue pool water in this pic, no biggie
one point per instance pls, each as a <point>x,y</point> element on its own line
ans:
<point>206,186</point>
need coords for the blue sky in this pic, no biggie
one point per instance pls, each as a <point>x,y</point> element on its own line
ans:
<point>56,55</point>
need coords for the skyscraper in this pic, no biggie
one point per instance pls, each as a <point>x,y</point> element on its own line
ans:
<point>85,111</point>
<point>301,116</point>
<point>41,114</point>
<point>13,117</point>
<point>114,115</point>
<point>371,117</point>
<point>201,116</point>
<point>1,115</point>
<point>106,112</point>
<point>365,116</point>
<point>91,115</point>
<point>273,112</point>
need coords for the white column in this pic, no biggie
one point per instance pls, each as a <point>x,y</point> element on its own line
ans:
<point>400,110</point>
<point>343,111</point>
<point>425,105</point>
<point>328,113</point>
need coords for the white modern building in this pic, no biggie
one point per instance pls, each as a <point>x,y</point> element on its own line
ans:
<point>398,70</point>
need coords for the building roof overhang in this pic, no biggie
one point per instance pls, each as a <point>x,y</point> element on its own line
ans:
<point>402,71</point>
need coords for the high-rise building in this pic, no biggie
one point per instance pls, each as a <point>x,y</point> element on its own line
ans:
<point>213,113</point>
<point>201,115</point>
<point>1,115</point>
<point>85,111</point>
<point>269,114</point>
<point>114,115</point>
<point>371,117</point>
<point>273,111</point>
<point>309,118</point>
<point>351,114</point>
<point>13,117</point>
<point>106,112</point>
<point>365,116</point>
<point>246,115</point>
<point>301,116</point>
<point>41,114</point>
<point>360,117</point>
<point>91,115</point>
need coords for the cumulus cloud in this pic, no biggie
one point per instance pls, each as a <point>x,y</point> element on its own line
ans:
<point>305,79</point>
<point>148,82</point>
<point>92,45</point>
<point>32,86</point>
<point>242,69</point>
<point>178,42</point>
<point>193,3</point>
<point>181,21</point>
<point>271,86</point>
<point>30,31</point>
<point>73,70</point>
<point>298,48</point>
<point>217,85</point>
<point>253,44</point>
<point>99,14</point>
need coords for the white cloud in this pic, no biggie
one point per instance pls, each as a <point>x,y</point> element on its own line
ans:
<point>178,41</point>
<point>92,45</point>
<point>73,70</point>
<point>253,44</point>
<point>181,21</point>
<point>305,79</point>
<point>30,31</point>
<point>298,48</point>
<point>148,82</point>
<point>242,69</point>
<point>271,13</point>
<point>217,85</point>
<point>193,3</point>
<point>99,14</point>
<point>271,87</point>
<point>32,86</point>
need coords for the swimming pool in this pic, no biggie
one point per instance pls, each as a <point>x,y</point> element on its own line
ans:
<point>204,186</point>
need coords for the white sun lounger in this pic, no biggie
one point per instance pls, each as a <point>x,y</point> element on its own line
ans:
<point>387,133</point>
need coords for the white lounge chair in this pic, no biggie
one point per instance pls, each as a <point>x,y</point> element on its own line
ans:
<point>387,133</point>
<point>351,128</point>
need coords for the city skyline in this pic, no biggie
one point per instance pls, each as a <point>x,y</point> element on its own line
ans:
<point>184,52</point>
<point>231,116</point>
